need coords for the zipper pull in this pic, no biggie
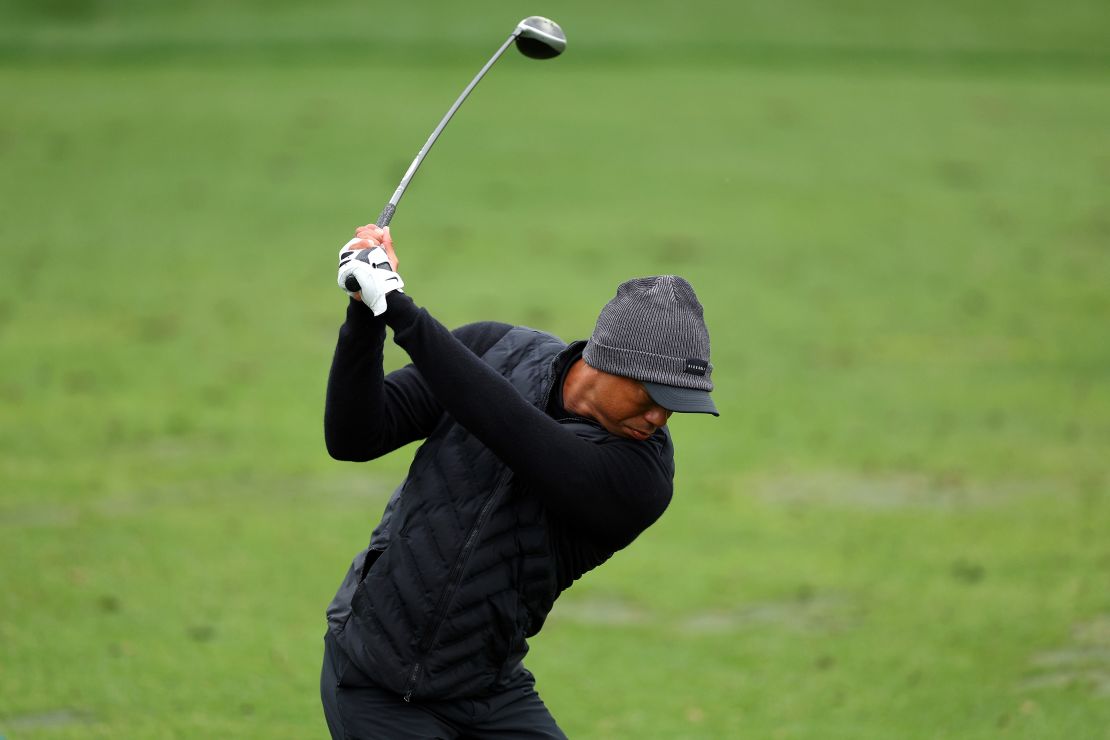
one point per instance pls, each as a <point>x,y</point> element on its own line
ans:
<point>412,683</point>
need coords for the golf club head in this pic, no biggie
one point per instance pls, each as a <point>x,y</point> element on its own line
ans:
<point>540,38</point>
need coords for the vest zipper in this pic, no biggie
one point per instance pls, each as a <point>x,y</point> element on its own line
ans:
<point>453,581</point>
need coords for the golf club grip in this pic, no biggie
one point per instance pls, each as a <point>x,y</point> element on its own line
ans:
<point>386,215</point>
<point>383,220</point>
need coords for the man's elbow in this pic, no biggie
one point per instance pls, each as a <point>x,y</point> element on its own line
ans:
<point>345,451</point>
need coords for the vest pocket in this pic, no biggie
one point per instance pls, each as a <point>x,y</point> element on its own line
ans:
<point>371,558</point>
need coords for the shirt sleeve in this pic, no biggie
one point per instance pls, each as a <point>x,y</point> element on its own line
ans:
<point>367,413</point>
<point>610,491</point>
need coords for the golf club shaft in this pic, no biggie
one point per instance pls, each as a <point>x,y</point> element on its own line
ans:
<point>390,207</point>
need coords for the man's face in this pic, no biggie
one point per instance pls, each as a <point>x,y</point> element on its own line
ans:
<point>624,408</point>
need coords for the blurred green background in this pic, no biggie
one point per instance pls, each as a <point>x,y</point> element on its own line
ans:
<point>897,216</point>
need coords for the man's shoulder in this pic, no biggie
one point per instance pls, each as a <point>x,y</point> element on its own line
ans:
<point>481,335</point>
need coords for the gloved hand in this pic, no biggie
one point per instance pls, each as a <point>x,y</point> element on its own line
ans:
<point>372,270</point>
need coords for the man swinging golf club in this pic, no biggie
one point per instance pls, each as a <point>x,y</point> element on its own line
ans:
<point>539,461</point>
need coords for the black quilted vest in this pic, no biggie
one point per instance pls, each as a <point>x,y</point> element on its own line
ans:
<point>460,571</point>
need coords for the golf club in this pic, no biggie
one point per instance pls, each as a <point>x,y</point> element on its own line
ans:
<point>536,37</point>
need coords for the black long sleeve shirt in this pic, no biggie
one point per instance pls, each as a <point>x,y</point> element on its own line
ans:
<point>600,495</point>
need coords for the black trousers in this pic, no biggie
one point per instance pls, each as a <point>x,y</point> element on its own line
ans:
<point>355,708</point>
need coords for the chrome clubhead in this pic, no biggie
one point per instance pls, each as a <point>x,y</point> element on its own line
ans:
<point>540,38</point>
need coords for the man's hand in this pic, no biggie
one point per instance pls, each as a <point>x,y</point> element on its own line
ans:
<point>371,260</point>
<point>375,236</point>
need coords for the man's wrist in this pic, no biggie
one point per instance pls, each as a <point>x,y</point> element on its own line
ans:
<point>402,311</point>
<point>359,314</point>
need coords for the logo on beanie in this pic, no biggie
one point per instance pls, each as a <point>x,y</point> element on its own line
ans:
<point>696,367</point>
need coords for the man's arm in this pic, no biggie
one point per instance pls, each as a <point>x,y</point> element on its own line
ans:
<point>368,414</point>
<point>610,491</point>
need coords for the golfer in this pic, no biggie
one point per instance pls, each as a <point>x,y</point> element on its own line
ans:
<point>539,460</point>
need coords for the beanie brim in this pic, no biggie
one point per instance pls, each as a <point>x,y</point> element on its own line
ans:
<point>682,400</point>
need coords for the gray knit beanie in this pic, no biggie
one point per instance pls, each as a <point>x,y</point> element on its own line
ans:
<point>654,331</point>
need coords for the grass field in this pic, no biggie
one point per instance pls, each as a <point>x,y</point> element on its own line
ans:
<point>897,218</point>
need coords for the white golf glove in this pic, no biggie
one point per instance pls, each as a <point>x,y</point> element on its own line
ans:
<point>371,268</point>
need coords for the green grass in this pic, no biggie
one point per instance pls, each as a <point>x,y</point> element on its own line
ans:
<point>897,221</point>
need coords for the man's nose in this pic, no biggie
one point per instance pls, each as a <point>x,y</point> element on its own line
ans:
<point>657,416</point>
